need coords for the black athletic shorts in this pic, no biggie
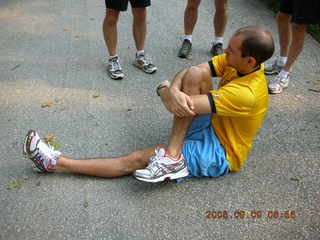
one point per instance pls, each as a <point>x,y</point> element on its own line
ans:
<point>122,5</point>
<point>302,11</point>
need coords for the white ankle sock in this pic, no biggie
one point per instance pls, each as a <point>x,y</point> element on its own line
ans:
<point>189,37</point>
<point>218,40</point>
<point>282,60</point>
<point>140,52</point>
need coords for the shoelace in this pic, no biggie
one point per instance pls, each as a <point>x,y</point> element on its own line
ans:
<point>115,66</point>
<point>145,60</point>
<point>43,155</point>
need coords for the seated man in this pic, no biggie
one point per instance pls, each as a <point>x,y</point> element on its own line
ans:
<point>212,131</point>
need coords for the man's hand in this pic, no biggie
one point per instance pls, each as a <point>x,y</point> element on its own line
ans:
<point>177,102</point>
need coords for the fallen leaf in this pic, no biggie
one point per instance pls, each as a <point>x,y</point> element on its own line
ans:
<point>189,57</point>
<point>55,144</point>
<point>86,204</point>
<point>48,138</point>
<point>15,184</point>
<point>15,67</point>
<point>297,179</point>
<point>47,104</point>
<point>62,108</point>
<point>66,30</point>
<point>96,95</point>
<point>314,90</point>
<point>76,36</point>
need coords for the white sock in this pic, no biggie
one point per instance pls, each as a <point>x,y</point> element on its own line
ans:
<point>189,37</point>
<point>283,74</point>
<point>282,60</point>
<point>218,40</point>
<point>140,52</point>
<point>110,57</point>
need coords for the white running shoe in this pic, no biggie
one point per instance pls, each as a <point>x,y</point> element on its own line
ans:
<point>39,152</point>
<point>162,167</point>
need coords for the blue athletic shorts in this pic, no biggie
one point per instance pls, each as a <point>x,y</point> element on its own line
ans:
<point>203,153</point>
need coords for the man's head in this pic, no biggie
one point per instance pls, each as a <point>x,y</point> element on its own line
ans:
<point>249,47</point>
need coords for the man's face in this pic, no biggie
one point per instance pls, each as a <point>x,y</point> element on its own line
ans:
<point>234,54</point>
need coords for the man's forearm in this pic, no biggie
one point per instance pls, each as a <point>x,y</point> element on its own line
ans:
<point>177,80</point>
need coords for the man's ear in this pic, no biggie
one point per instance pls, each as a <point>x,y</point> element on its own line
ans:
<point>252,61</point>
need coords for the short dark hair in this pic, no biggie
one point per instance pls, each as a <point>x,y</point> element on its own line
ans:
<point>258,43</point>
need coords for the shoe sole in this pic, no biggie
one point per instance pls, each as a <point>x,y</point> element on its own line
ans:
<point>116,77</point>
<point>26,142</point>
<point>180,174</point>
<point>141,68</point>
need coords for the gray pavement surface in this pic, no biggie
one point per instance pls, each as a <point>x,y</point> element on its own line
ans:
<point>53,52</point>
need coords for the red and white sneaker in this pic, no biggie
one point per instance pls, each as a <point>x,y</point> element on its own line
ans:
<point>162,167</point>
<point>42,154</point>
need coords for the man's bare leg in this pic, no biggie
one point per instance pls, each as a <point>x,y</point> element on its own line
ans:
<point>110,32</point>
<point>107,167</point>
<point>139,27</point>
<point>220,17</point>
<point>296,46</point>
<point>195,81</point>
<point>191,16</point>
<point>284,32</point>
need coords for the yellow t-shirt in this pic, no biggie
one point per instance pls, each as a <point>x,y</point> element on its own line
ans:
<point>241,103</point>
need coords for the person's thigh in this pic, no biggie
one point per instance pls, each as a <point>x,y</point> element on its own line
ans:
<point>140,3</point>
<point>204,154</point>
<point>119,5</point>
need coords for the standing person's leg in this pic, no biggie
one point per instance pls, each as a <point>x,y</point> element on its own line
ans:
<point>110,33</point>
<point>139,29</point>
<point>296,46</point>
<point>170,163</point>
<point>219,22</point>
<point>190,20</point>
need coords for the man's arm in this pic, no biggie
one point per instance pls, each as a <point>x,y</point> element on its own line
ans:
<point>179,103</point>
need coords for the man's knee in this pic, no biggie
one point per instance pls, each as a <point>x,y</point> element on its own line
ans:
<point>283,18</point>
<point>195,76</point>
<point>112,16</point>
<point>193,5</point>
<point>221,6</point>
<point>139,14</point>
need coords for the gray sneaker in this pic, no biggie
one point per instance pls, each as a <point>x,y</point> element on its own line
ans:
<point>114,69</point>
<point>185,49</point>
<point>274,68</point>
<point>162,167</point>
<point>145,64</point>
<point>216,49</point>
<point>278,84</point>
<point>39,152</point>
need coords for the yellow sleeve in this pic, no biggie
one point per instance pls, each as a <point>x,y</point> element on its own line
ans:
<point>232,100</point>
<point>219,63</point>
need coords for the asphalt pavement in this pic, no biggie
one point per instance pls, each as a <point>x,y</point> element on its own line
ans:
<point>53,79</point>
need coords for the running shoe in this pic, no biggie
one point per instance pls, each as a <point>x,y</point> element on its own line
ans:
<point>42,154</point>
<point>278,84</point>
<point>145,64</point>
<point>274,68</point>
<point>185,49</point>
<point>216,49</point>
<point>114,69</point>
<point>162,167</point>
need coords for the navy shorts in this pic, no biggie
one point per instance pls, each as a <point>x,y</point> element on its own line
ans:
<point>122,5</point>
<point>202,151</point>
<point>302,12</point>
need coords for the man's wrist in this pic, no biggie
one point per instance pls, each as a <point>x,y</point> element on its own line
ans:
<point>164,84</point>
